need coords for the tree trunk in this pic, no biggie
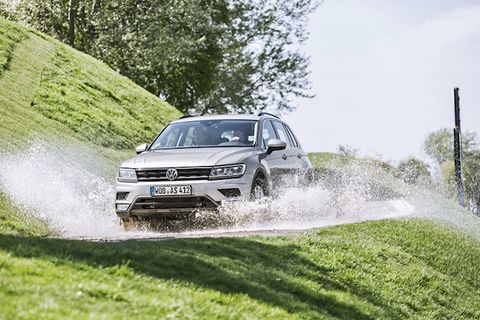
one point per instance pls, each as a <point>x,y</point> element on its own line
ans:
<point>72,13</point>
<point>95,6</point>
<point>91,32</point>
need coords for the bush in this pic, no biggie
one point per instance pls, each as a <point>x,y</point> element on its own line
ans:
<point>413,171</point>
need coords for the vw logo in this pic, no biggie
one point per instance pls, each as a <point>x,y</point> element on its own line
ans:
<point>172,174</point>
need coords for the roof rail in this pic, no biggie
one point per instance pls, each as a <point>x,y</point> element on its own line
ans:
<point>268,114</point>
<point>187,116</point>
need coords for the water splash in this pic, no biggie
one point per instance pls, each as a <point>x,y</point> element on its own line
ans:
<point>58,187</point>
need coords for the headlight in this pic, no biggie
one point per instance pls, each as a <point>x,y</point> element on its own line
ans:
<point>225,172</point>
<point>127,175</point>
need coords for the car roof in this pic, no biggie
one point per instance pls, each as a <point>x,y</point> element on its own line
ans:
<point>223,117</point>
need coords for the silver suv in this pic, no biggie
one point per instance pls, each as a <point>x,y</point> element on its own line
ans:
<point>198,162</point>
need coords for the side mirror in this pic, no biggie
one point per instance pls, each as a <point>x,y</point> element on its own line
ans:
<point>141,148</point>
<point>275,144</point>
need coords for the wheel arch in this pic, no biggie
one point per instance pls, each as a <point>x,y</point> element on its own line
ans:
<point>262,174</point>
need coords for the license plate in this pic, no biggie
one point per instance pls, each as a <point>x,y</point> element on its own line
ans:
<point>170,190</point>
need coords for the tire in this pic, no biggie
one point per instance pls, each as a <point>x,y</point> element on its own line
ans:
<point>309,178</point>
<point>159,224</point>
<point>260,189</point>
<point>129,224</point>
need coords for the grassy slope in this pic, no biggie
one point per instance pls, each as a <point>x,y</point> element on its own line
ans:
<point>48,90</point>
<point>387,269</point>
<point>14,221</point>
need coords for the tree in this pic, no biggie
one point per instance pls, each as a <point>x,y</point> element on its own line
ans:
<point>202,56</point>
<point>447,170</point>
<point>347,151</point>
<point>264,71</point>
<point>8,9</point>
<point>472,178</point>
<point>412,170</point>
<point>439,144</point>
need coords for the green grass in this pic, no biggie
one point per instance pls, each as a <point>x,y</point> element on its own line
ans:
<point>10,35</point>
<point>377,178</point>
<point>97,104</point>
<point>338,161</point>
<point>18,222</point>
<point>377,270</point>
<point>50,92</point>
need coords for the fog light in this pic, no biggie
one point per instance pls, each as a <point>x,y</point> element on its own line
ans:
<point>122,195</point>
<point>122,207</point>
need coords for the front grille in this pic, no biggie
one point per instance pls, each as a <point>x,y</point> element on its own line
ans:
<point>197,173</point>
<point>171,204</point>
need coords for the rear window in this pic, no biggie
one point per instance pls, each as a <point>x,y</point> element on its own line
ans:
<point>282,134</point>
<point>292,137</point>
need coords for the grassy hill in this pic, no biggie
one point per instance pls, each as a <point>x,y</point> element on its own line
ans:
<point>47,88</point>
<point>51,92</point>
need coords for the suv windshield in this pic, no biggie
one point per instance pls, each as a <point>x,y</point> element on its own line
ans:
<point>207,133</point>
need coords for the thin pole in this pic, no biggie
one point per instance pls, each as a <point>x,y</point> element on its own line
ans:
<point>457,146</point>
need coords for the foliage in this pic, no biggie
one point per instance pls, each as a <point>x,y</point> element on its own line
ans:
<point>472,178</point>
<point>209,56</point>
<point>347,151</point>
<point>447,170</point>
<point>439,144</point>
<point>7,9</point>
<point>413,170</point>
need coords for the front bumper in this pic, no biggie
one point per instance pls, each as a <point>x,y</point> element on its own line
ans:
<point>206,194</point>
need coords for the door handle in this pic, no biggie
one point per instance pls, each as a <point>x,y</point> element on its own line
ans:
<point>299,156</point>
<point>284,157</point>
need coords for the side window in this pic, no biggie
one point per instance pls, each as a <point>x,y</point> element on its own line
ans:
<point>268,132</point>
<point>282,134</point>
<point>292,137</point>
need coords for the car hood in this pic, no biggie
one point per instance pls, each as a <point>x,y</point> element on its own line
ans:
<point>192,157</point>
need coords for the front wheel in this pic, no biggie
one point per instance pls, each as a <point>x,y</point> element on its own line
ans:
<point>129,224</point>
<point>259,189</point>
<point>308,178</point>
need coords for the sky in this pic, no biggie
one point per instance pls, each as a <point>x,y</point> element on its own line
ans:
<point>383,72</point>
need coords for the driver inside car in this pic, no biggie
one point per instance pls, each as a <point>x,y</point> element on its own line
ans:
<point>199,137</point>
<point>238,135</point>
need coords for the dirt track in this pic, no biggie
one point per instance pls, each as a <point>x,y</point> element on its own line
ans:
<point>277,230</point>
<point>154,236</point>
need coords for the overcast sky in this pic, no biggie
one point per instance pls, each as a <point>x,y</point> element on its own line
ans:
<point>383,73</point>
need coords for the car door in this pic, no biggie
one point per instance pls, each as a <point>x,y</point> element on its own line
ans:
<point>273,160</point>
<point>289,155</point>
<point>301,159</point>
<point>304,167</point>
